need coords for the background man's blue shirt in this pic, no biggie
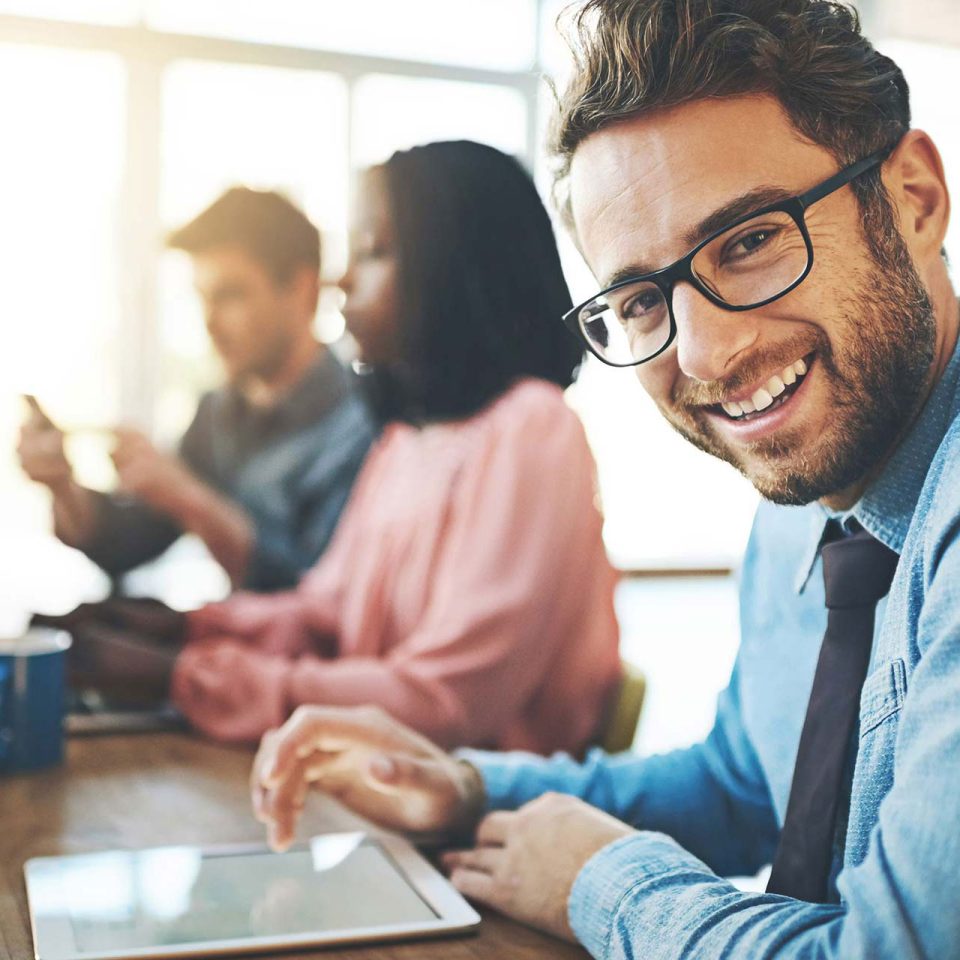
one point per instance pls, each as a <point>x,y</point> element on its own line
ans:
<point>290,468</point>
<point>716,808</point>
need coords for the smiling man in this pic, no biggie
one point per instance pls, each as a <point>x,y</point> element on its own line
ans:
<point>766,232</point>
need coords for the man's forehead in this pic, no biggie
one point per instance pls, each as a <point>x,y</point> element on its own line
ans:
<point>225,263</point>
<point>637,187</point>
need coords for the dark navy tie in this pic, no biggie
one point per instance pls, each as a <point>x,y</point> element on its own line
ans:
<point>857,571</point>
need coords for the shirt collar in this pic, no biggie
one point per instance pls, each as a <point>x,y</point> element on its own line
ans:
<point>886,509</point>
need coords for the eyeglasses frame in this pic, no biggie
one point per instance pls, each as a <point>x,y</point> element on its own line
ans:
<point>667,277</point>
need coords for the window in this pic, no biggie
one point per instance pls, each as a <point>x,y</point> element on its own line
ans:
<point>60,232</point>
<point>396,113</point>
<point>495,34</point>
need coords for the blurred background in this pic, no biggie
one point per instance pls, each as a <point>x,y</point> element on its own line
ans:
<point>123,118</point>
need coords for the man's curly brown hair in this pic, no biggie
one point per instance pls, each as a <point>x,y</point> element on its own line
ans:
<point>633,56</point>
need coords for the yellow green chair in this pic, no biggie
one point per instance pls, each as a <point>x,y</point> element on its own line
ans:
<point>623,716</point>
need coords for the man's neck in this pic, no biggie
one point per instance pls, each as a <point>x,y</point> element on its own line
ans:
<point>266,391</point>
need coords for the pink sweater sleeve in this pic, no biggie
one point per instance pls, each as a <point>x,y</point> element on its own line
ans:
<point>523,534</point>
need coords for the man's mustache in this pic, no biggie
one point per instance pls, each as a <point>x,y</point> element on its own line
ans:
<point>691,395</point>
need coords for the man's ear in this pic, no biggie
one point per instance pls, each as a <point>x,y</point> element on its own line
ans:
<point>913,175</point>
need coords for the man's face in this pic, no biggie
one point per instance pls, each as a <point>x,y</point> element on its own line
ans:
<point>252,319</point>
<point>860,325</point>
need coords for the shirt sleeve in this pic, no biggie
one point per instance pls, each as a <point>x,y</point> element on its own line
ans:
<point>901,901</point>
<point>711,798</point>
<point>128,532</point>
<point>481,640</point>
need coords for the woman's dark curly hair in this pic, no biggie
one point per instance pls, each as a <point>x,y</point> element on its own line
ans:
<point>481,287</point>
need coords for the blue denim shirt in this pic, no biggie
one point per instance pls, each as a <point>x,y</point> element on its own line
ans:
<point>715,809</point>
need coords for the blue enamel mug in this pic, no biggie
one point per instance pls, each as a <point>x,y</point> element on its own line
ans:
<point>32,674</point>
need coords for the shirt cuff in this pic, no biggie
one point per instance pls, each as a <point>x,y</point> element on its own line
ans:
<point>612,873</point>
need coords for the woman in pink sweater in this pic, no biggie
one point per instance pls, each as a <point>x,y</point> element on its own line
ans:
<point>466,590</point>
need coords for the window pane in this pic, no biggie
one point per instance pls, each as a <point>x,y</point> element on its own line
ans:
<point>498,34</point>
<point>395,113</point>
<point>666,503</point>
<point>86,11</point>
<point>227,124</point>
<point>60,197</point>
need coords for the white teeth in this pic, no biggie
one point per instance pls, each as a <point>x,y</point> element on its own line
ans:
<point>763,397</point>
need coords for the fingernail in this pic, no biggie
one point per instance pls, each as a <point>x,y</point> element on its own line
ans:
<point>383,768</point>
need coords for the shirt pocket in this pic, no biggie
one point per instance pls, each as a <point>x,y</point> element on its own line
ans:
<point>883,693</point>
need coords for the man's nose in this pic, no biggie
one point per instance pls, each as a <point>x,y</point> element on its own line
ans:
<point>710,340</point>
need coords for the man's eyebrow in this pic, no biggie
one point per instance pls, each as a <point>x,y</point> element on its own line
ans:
<point>739,207</point>
<point>733,210</point>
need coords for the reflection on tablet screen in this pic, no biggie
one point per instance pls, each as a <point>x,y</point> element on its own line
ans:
<point>119,901</point>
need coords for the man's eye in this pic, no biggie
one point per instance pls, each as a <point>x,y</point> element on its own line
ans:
<point>749,243</point>
<point>642,304</point>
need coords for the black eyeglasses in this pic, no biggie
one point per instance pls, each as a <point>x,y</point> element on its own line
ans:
<point>751,262</point>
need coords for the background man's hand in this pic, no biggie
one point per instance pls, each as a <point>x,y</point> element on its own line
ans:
<point>40,450</point>
<point>146,473</point>
<point>525,862</point>
<point>368,761</point>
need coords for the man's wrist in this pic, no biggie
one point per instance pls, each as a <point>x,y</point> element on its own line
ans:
<point>187,503</point>
<point>473,800</point>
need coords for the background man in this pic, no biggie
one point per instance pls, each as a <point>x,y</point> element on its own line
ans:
<point>767,232</point>
<point>266,466</point>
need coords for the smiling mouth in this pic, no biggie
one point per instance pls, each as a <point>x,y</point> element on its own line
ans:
<point>774,393</point>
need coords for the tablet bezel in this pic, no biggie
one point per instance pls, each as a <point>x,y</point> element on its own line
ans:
<point>53,937</point>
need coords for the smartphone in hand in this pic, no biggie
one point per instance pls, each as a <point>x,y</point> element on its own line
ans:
<point>37,413</point>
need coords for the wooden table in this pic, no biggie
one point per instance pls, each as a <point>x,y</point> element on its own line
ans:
<point>125,792</point>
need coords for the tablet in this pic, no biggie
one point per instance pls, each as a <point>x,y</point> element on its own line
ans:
<point>339,888</point>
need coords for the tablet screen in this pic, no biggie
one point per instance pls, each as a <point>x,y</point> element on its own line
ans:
<point>177,895</point>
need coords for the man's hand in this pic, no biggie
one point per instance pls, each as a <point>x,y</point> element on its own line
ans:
<point>40,450</point>
<point>154,477</point>
<point>368,761</point>
<point>525,862</point>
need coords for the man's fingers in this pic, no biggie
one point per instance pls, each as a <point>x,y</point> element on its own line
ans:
<point>477,886</point>
<point>257,792</point>
<point>281,807</point>
<point>493,828</point>
<point>481,859</point>
<point>331,731</point>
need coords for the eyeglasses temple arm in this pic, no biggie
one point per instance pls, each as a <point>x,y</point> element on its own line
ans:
<point>844,177</point>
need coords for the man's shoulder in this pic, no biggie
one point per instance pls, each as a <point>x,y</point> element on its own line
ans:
<point>937,518</point>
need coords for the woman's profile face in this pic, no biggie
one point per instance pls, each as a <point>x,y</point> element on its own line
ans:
<point>371,283</point>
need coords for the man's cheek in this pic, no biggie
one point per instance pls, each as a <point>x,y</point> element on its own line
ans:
<point>657,380</point>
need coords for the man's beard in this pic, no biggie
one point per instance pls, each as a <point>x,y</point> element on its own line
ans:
<point>875,382</point>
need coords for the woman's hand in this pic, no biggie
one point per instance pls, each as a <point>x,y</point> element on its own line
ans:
<point>369,762</point>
